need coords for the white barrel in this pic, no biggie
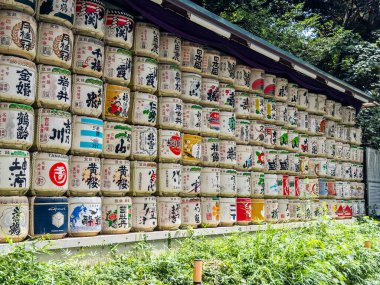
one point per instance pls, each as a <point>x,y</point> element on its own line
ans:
<point>292,94</point>
<point>169,80</point>
<point>210,63</point>
<point>316,124</point>
<point>271,161</point>
<point>257,81</point>
<point>84,176</point>
<point>242,130</point>
<point>191,181</point>
<point>228,181</point>
<point>256,106</point>
<point>169,179</point>
<point>227,125</point>
<point>283,210</point>
<point>346,152</point>
<point>192,118</point>
<point>312,146</point>
<point>169,145</point>
<point>14,172</point>
<point>117,102</point>
<point>18,34</point>
<point>271,187</point>
<point>85,216</point>
<point>304,144</point>
<point>89,18</point>
<point>283,161</point>
<point>115,177</point>
<point>170,114</point>
<point>191,87</point>
<point>27,7</point>
<point>227,153</point>
<point>330,109</point>
<point>17,126</point>
<point>54,87</point>
<point>271,211</point>
<point>321,104</point>
<point>256,132</point>
<point>144,109</point>
<point>331,129</point>
<point>272,136</point>
<point>55,45</point>
<point>338,150</point>
<point>312,106</point>
<point>292,116</point>
<point>210,122</point>
<point>210,94</point>
<point>144,217</point>
<point>294,163</point>
<point>270,111</point>
<point>354,153</point>
<point>331,168</point>
<point>190,212</point>
<point>227,96</point>
<point>117,140</point>
<point>119,27</point>
<point>281,113</point>
<point>281,91</point>
<point>14,218</point>
<point>258,158</point>
<point>269,86</point>
<point>284,139</point>
<point>191,149</point>
<point>144,75</point>
<point>337,112</point>
<point>116,215</point>
<point>210,209</point>
<point>144,143</point>
<point>227,212</point>
<point>303,121</point>
<point>50,174</point>
<point>210,151</point>
<point>169,213</point>
<point>170,49</point>
<point>88,56</point>
<point>87,136</point>
<point>242,105</point>
<point>243,184</point>
<point>191,57</point>
<point>293,139</point>
<point>143,178</point>
<point>117,65</point>
<point>244,159</point>
<point>303,101</point>
<point>210,181</point>
<point>56,11</point>
<point>146,40</point>
<point>242,78</point>
<point>257,184</point>
<point>227,69</point>
<point>18,80</point>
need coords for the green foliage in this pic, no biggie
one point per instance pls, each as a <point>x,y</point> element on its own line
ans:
<point>325,253</point>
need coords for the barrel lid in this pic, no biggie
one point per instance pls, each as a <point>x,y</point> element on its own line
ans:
<point>84,200</point>
<point>48,200</point>
<point>169,199</point>
<point>151,199</point>
<point>14,152</point>
<point>227,200</point>
<point>116,200</point>
<point>13,199</point>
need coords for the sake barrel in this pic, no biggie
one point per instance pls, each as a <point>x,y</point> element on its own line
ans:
<point>321,167</point>
<point>210,209</point>
<point>144,143</point>
<point>210,63</point>
<point>227,96</point>
<point>190,212</point>
<point>85,216</point>
<point>330,109</point>
<point>242,129</point>
<point>210,122</point>
<point>14,172</point>
<point>144,218</point>
<point>191,181</point>
<point>143,178</point>
<point>269,86</point>
<point>210,151</point>
<point>283,186</point>
<point>360,169</point>
<point>281,113</point>
<point>354,153</point>
<point>18,34</point>
<point>271,210</point>
<point>117,65</point>
<point>307,210</point>
<point>303,100</point>
<point>50,174</point>
<point>116,215</point>
<point>54,87</point>
<point>169,179</point>
<point>227,212</point>
<point>271,137</point>
<point>312,146</point>
<point>53,131</point>
<point>346,190</point>
<point>283,161</point>
<point>227,69</point>
<point>314,125</point>
<point>339,189</point>
<point>144,109</point>
<point>294,163</point>
<point>87,136</point>
<point>115,177</point>
<point>210,181</point>
<point>117,102</point>
<point>169,80</point>
<point>84,176</point>
<point>117,140</point>
<point>258,157</point>
<point>346,152</point>
<point>170,49</point>
<point>331,168</point>
<point>257,81</point>
<point>316,210</point>
<point>292,117</point>
<point>27,7</point>
<point>283,210</point>
<point>347,171</point>
<point>119,27</point>
<point>169,145</point>
<point>228,183</point>
<point>227,154</point>
<point>337,112</point>
<point>242,78</point>
<point>18,80</point>
<point>191,57</point>
<point>257,184</point>
<point>56,11</point>
<point>48,216</point>
<point>312,106</point>
<point>331,190</point>
<point>170,113</point>
<point>360,154</point>
<point>303,121</point>
<point>17,126</point>
<point>321,104</point>
<point>146,40</point>
<point>283,139</point>
<point>331,128</point>
<point>281,91</point>
<point>14,218</point>
<point>257,132</point>
<point>242,105</point>
<point>243,184</point>
<point>243,211</point>
<point>330,148</point>
<point>55,45</point>
<point>338,150</point>
<point>88,56</point>
<point>294,191</point>
<point>244,160</point>
<point>191,149</point>
<point>89,18</point>
<point>270,111</point>
<point>169,213</point>
<point>191,87</point>
<point>271,187</point>
<point>227,125</point>
<point>210,94</point>
<point>256,106</point>
<point>192,118</point>
<point>292,94</point>
<point>258,211</point>
<point>351,120</point>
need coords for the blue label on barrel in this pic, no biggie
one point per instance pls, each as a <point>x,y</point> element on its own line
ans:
<point>322,187</point>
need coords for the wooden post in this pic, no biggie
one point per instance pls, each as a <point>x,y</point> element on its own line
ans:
<point>197,273</point>
<point>368,244</point>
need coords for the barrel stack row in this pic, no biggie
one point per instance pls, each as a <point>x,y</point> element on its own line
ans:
<point>94,101</point>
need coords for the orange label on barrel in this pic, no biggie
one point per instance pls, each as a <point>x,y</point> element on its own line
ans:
<point>117,101</point>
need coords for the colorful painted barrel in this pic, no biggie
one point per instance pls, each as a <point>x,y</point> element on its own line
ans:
<point>256,133</point>
<point>269,86</point>
<point>145,74</point>
<point>243,184</point>
<point>117,65</point>
<point>190,212</point>
<point>283,210</point>
<point>17,126</point>
<point>294,191</point>
<point>304,144</point>
<point>170,113</point>
<point>191,149</point>
<point>14,218</point>
<point>117,101</point>
<point>210,122</point>
<point>84,176</point>
<point>271,210</point>
<point>169,179</point>
<point>119,28</point>
<point>272,136</point>
<point>191,181</point>
<point>210,63</point>
<point>56,11</point>
<point>144,214</point>
<point>242,78</point>
<point>227,69</point>
<point>283,186</point>
<point>228,182</point>
<point>115,178</point>
<point>116,215</point>
<point>303,101</point>
<point>89,18</point>
<point>243,211</point>
<point>257,184</point>
<point>227,212</point>
<point>256,106</point>
<point>281,91</point>
<point>117,140</point>
<point>55,45</point>
<point>244,159</point>
<point>169,80</point>
<point>192,118</point>
<point>191,57</point>
<point>169,145</point>
<point>210,209</point>
<point>283,161</point>
<point>18,34</point>
<point>191,87</point>
<point>48,216</point>
<point>258,211</point>
<point>271,187</point>
<point>270,111</point>
<point>87,136</point>
<point>169,213</point>
<point>292,94</point>
<point>227,154</point>
<point>144,109</point>
<point>258,158</point>
<point>210,94</point>
<point>210,181</point>
<point>242,105</point>
<point>257,81</point>
<point>227,96</point>
<point>18,80</point>
<point>242,130</point>
<point>27,6</point>
<point>227,125</point>
<point>271,161</point>
<point>85,216</point>
<point>146,40</point>
<point>210,151</point>
<point>283,139</point>
<point>144,143</point>
<point>143,178</point>
<point>170,49</point>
